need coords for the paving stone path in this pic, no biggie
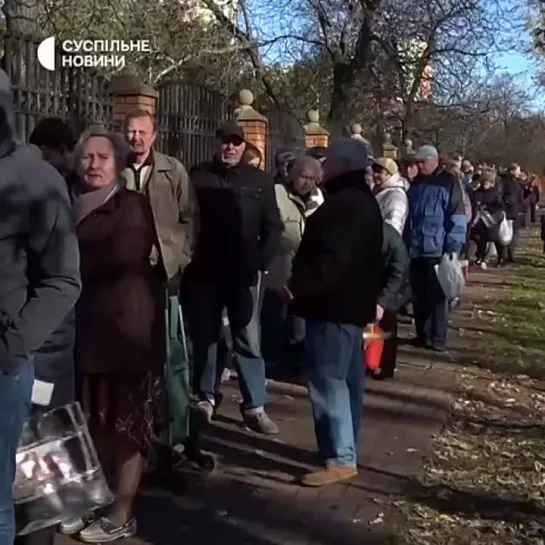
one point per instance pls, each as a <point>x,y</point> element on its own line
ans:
<point>253,497</point>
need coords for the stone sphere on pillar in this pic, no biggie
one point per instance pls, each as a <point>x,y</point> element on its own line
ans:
<point>246,98</point>
<point>357,129</point>
<point>313,116</point>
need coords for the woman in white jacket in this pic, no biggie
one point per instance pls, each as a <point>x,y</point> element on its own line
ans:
<point>390,192</point>
<point>282,334</point>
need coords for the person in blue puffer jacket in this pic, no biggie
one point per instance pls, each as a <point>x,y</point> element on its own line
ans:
<point>436,226</point>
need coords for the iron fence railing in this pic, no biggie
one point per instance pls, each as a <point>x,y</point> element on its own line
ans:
<point>79,96</point>
<point>284,131</point>
<point>187,118</point>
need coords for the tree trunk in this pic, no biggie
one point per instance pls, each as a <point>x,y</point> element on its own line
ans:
<point>340,112</point>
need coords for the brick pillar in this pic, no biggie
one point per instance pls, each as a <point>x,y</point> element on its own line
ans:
<point>315,135</point>
<point>129,94</point>
<point>254,124</point>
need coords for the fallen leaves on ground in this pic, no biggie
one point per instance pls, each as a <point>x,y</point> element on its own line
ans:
<point>485,482</point>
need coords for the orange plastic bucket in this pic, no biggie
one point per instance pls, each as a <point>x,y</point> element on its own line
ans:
<point>374,346</point>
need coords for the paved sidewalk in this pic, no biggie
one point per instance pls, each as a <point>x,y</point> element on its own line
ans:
<point>253,499</point>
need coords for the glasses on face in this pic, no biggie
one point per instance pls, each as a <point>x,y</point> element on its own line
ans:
<point>234,140</point>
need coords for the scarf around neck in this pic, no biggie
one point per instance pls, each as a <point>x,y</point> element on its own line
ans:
<point>87,203</point>
<point>311,202</point>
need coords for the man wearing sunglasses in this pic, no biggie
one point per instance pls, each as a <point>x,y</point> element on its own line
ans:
<point>239,234</point>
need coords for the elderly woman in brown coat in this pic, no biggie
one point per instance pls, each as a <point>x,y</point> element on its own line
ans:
<point>119,327</point>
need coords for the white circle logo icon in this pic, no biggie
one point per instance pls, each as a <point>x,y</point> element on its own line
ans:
<point>46,53</point>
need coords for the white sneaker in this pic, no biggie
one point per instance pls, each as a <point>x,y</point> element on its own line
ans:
<point>225,375</point>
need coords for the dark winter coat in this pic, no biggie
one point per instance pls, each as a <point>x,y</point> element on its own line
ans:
<point>55,362</point>
<point>337,270</point>
<point>488,200</point>
<point>395,290</point>
<point>119,316</point>
<point>240,225</point>
<point>512,195</point>
<point>39,276</point>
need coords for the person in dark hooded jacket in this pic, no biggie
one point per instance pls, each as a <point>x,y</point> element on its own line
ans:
<point>489,214</point>
<point>394,294</point>
<point>54,361</point>
<point>334,285</point>
<point>39,284</point>
<point>283,161</point>
<point>512,195</point>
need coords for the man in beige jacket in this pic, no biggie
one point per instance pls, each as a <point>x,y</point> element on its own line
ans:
<point>166,183</point>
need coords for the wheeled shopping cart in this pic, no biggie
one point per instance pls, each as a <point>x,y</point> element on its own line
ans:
<point>183,425</point>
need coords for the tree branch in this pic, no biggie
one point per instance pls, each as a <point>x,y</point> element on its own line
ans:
<point>176,64</point>
<point>247,41</point>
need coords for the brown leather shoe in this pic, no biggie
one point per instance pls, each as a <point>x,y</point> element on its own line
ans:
<point>329,475</point>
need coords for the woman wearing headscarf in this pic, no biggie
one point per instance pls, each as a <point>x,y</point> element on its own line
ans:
<point>297,199</point>
<point>120,328</point>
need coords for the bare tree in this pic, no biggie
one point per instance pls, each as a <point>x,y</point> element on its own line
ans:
<point>366,42</point>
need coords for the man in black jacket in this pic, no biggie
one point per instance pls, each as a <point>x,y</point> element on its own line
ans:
<point>512,193</point>
<point>39,283</point>
<point>54,361</point>
<point>335,281</point>
<point>240,229</point>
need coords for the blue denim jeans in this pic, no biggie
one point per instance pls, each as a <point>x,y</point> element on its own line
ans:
<point>336,377</point>
<point>15,403</point>
<point>206,305</point>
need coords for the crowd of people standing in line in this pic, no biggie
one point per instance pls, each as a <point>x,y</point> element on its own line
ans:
<point>100,232</point>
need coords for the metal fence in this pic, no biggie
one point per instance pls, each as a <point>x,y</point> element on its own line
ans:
<point>187,118</point>
<point>187,115</point>
<point>79,96</point>
<point>285,131</point>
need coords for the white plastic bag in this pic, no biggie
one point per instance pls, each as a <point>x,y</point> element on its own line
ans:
<point>450,275</point>
<point>505,233</point>
<point>58,475</point>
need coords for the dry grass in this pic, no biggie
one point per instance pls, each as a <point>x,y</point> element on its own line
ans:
<point>485,482</point>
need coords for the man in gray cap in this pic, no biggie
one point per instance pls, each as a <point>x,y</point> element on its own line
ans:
<point>39,283</point>
<point>239,236</point>
<point>334,286</point>
<point>436,226</point>
<point>283,160</point>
